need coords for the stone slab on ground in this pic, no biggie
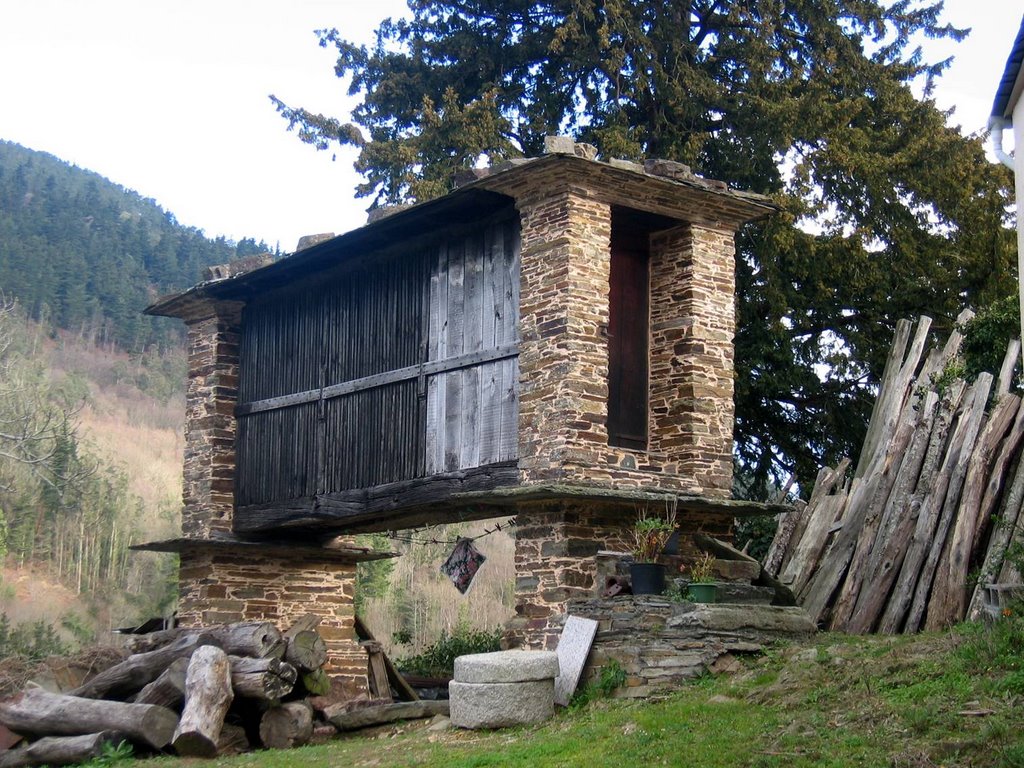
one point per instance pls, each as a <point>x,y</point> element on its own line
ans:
<point>573,649</point>
<point>500,705</point>
<point>506,667</point>
<point>350,720</point>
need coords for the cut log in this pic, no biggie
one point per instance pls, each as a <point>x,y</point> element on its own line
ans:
<point>40,713</point>
<point>345,719</point>
<point>883,409</point>
<point>317,682</point>
<point>168,690</point>
<point>999,478</point>
<point>812,544</point>
<point>783,542</point>
<point>260,640</point>
<point>1005,378</point>
<point>232,740</point>
<point>265,679</point>
<point>140,669</point>
<point>60,750</point>
<point>306,651</point>
<point>290,725</point>
<point>207,698</point>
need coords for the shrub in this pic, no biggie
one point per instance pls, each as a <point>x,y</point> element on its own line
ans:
<point>438,660</point>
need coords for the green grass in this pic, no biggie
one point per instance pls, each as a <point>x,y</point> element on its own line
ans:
<point>842,701</point>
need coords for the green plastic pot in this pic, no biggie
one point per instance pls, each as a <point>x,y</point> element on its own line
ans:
<point>703,593</point>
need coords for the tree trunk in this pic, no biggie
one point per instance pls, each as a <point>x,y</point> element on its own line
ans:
<point>140,669</point>
<point>168,690</point>
<point>40,713</point>
<point>266,679</point>
<point>60,750</point>
<point>306,651</point>
<point>260,640</point>
<point>290,725</point>
<point>207,698</point>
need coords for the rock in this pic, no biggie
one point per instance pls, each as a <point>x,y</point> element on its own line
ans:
<point>586,151</point>
<point>726,664</point>
<point>506,667</point>
<point>669,169</point>
<point>308,241</point>
<point>500,705</point>
<point>439,723</point>
<point>559,145</point>
<point>626,165</point>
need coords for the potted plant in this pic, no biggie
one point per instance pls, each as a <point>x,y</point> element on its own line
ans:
<point>650,535</point>
<point>702,587</point>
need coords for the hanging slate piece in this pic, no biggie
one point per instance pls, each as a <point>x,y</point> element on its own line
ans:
<point>462,564</point>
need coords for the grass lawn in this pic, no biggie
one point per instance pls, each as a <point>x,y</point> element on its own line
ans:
<point>941,699</point>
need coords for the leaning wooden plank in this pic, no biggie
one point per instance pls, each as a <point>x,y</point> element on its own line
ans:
<point>807,553</point>
<point>1002,535</point>
<point>349,720</point>
<point>36,712</point>
<point>930,493</point>
<point>264,679</point>
<point>882,407</point>
<point>1000,475</point>
<point>141,668</point>
<point>974,414</point>
<point>60,750</point>
<point>780,547</point>
<point>207,698</point>
<point>795,560</point>
<point>1005,378</point>
<point>893,535</point>
<point>940,546</point>
<point>168,690</point>
<point>398,682</point>
<point>845,566</point>
<point>949,587</point>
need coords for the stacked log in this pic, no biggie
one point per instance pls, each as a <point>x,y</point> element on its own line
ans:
<point>936,495</point>
<point>196,692</point>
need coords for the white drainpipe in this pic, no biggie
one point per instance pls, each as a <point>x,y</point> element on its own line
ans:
<point>996,126</point>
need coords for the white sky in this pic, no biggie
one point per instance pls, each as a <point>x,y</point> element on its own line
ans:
<point>169,98</point>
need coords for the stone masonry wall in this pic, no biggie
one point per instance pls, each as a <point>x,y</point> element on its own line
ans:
<point>211,395</point>
<point>556,559</point>
<point>693,321</point>
<point>222,588</point>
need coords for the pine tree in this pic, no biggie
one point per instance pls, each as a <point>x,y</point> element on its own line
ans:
<point>811,102</point>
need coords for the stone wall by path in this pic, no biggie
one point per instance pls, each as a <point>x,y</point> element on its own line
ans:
<point>660,644</point>
<point>556,559</point>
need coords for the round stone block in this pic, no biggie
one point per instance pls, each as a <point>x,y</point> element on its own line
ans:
<point>506,667</point>
<point>500,705</point>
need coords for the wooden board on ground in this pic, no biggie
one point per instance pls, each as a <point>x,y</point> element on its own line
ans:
<point>573,649</point>
<point>405,690</point>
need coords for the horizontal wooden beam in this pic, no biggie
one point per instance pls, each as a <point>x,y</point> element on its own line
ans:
<point>380,507</point>
<point>429,368</point>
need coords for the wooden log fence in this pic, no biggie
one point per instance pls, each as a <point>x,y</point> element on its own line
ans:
<point>935,497</point>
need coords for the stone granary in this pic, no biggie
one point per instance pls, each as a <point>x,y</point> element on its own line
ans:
<point>552,339</point>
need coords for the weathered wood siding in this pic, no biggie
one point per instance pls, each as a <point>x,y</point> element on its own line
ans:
<point>397,369</point>
<point>474,306</point>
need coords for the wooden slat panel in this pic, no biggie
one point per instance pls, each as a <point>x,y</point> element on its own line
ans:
<point>509,333</point>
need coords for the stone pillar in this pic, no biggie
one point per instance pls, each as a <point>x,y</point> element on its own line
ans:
<point>220,588</point>
<point>211,395</point>
<point>563,358</point>
<point>693,321</point>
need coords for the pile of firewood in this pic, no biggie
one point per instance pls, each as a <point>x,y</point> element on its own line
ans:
<point>198,692</point>
<point>936,495</point>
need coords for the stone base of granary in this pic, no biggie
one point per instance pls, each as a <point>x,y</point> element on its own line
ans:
<point>556,558</point>
<point>221,588</point>
<point>661,644</point>
<point>224,580</point>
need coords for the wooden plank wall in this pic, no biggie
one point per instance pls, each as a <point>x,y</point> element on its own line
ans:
<point>472,414</point>
<point>297,440</point>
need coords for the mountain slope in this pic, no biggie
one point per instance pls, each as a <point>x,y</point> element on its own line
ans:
<point>84,254</point>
